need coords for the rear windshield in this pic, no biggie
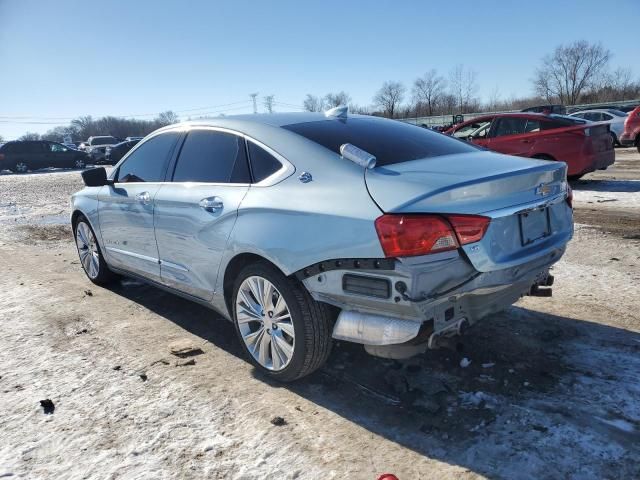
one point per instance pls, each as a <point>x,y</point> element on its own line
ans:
<point>103,141</point>
<point>388,140</point>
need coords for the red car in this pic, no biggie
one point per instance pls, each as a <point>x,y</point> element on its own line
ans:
<point>583,146</point>
<point>631,134</point>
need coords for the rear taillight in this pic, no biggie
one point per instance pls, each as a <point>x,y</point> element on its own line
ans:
<point>1,156</point>
<point>411,235</point>
<point>569,196</point>
<point>469,228</point>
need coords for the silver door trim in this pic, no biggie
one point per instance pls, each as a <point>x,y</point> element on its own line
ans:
<point>132,254</point>
<point>175,266</point>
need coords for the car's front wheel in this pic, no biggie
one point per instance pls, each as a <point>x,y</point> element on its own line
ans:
<point>90,254</point>
<point>284,331</point>
<point>79,162</point>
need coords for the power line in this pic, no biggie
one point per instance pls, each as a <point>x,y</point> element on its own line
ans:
<point>36,117</point>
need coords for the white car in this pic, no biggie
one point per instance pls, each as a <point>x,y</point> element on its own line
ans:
<point>615,119</point>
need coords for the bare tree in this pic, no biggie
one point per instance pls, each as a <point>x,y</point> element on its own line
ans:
<point>570,71</point>
<point>167,118</point>
<point>463,85</point>
<point>336,99</point>
<point>389,97</point>
<point>1,139</point>
<point>268,102</point>
<point>30,136</point>
<point>428,90</point>
<point>313,104</point>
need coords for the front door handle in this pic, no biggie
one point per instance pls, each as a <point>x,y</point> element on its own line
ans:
<point>211,204</point>
<point>143,197</point>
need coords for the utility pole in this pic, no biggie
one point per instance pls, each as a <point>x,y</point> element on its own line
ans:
<point>268,103</point>
<point>255,105</point>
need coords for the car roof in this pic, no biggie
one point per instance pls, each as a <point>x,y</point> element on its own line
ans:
<point>274,119</point>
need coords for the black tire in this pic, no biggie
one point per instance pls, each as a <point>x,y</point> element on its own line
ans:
<point>104,275</point>
<point>312,323</point>
<point>614,139</point>
<point>21,166</point>
<point>573,178</point>
<point>79,162</point>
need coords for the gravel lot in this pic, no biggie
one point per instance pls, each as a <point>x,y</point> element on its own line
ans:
<point>552,390</point>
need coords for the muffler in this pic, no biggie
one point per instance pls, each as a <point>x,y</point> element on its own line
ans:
<point>372,329</point>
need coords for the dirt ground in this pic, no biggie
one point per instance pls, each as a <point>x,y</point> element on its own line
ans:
<point>552,390</point>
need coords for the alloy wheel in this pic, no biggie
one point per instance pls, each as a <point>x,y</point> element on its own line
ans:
<point>79,163</point>
<point>88,250</point>
<point>22,167</point>
<point>265,323</point>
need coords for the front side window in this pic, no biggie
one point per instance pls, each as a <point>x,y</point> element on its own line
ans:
<point>263,164</point>
<point>56,147</point>
<point>510,126</point>
<point>212,157</point>
<point>148,163</point>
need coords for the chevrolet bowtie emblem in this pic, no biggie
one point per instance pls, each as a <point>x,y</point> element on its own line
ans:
<point>543,189</point>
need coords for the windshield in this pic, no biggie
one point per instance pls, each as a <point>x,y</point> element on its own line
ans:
<point>389,141</point>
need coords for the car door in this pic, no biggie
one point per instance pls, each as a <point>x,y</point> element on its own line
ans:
<point>509,135</point>
<point>196,211</point>
<point>59,156</point>
<point>37,155</point>
<point>125,209</point>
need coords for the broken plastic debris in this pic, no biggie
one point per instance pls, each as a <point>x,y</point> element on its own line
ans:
<point>465,362</point>
<point>488,365</point>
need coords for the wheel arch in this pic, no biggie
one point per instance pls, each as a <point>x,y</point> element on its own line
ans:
<point>233,268</point>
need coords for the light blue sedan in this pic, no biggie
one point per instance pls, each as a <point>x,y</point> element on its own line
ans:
<point>303,228</point>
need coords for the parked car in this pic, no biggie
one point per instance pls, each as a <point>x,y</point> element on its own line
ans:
<point>631,134</point>
<point>300,228</point>
<point>113,153</point>
<point>82,146</point>
<point>557,109</point>
<point>615,119</point>
<point>584,147</point>
<point>22,156</point>
<point>96,147</point>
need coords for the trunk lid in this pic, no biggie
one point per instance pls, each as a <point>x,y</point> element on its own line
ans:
<point>471,183</point>
<point>525,199</point>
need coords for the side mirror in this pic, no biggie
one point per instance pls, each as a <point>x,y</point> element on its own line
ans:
<point>95,177</point>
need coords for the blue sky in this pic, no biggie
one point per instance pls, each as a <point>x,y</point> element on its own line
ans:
<point>67,58</point>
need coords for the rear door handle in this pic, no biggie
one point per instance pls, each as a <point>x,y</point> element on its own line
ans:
<point>143,197</point>
<point>211,204</point>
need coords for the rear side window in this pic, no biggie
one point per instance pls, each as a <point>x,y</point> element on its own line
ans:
<point>263,164</point>
<point>149,162</point>
<point>510,126</point>
<point>212,157</point>
<point>390,141</point>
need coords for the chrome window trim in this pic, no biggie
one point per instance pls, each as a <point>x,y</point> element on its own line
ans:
<point>286,171</point>
<point>287,167</point>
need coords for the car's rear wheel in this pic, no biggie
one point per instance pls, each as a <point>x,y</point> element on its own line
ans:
<point>285,333</point>
<point>90,254</point>
<point>614,139</point>
<point>21,167</point>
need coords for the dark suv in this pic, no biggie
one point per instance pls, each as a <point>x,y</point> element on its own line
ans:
<point>21,157</point>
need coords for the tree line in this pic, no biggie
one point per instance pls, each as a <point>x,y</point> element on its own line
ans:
<point>82,128</point>
<point>575,73</point>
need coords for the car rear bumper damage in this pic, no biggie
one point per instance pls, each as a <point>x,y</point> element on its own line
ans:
<point>412,302</point>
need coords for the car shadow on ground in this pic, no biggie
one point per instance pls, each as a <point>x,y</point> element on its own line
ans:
<point>537,392</point>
